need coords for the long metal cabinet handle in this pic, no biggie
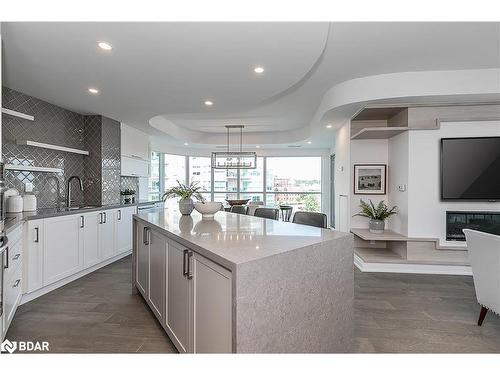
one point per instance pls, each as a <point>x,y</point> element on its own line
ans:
<point>189,272</point>
<point>82,222</point>
<point>185,260</point>
<point>7,254</point>
<point>100,218</point>
<point>104,213</point>
<point>145,236</point>
<point>36,234</point>
<point>119,214</point>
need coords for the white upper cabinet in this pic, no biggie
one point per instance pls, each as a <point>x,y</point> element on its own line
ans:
<point>135,152</point>
<point>134,143</point>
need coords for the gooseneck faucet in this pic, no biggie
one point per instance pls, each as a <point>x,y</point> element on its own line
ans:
<point>68,189</point>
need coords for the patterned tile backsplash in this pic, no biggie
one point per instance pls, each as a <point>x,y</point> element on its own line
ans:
<point>100,170</point>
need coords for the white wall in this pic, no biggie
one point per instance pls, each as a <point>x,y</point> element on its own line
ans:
<point>426,211</point>
<point>369,151</point>
<point>341,149</point>
<point>398,175</point>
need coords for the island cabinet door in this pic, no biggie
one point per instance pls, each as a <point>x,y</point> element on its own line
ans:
<point>142,258</point>
<point>212,323</point>
<point>178,318</point>
<point>157,268</point>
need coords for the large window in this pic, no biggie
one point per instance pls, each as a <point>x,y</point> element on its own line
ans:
<point>294,181</point>
<point>200,171</point>
<point>154,188</point>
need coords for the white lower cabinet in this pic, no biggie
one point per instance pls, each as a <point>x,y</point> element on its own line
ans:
<point>196,293</point>
<point>123,225</point>
<point>61,248</point>
<point>107,234</point>
<point>12,280</point>
<point>90,228</point>
<point>33,256</point>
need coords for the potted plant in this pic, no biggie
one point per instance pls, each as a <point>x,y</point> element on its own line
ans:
<point>128,195</point>
<point>377,215</point>
<point>185,192</point>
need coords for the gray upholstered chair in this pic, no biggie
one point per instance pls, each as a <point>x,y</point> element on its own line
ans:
<point>237,209</point>
<point>267,213</point>
<point>315,219</point>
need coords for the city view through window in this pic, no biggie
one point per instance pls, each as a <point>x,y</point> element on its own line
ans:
<point>294,181</point>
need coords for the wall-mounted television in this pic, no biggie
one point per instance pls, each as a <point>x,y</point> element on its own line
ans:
<point>470,168</point>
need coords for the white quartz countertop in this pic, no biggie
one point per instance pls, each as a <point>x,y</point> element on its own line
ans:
<point>231,239</point>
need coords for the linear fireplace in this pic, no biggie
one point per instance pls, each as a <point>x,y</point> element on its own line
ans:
<point>456,221</point>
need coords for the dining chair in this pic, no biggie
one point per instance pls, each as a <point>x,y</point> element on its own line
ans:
<point>239,209</point>
<point>484,256</point>
<point>315,219</point>
<point>267,213</point>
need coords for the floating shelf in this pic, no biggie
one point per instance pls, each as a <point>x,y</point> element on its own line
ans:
<point>379,132</point>
<point>17,114</point>
<point>31,168</point>
<point>51,147</point>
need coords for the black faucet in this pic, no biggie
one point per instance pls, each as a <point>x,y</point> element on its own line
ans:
<point>68,189</point>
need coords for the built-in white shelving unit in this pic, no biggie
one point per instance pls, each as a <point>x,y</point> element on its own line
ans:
<point>379,132</point>
<point>30,168</point>
<point>17,114</point>
<point>51,147</point>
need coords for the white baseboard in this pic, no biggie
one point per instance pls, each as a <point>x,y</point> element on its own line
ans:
<point>49,288</point>
<point>432,269</point>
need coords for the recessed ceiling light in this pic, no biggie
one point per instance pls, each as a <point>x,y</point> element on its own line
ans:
<point>258,69</point>
<point>329,126</point>
<point>186,144</point>
<point>93,91</point>
<point>309,142</point>
<point>105,46</point>
<point>209,103</point>
<point>257,146</point>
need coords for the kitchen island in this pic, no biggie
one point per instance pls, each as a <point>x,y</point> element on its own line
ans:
<point>244,284</point>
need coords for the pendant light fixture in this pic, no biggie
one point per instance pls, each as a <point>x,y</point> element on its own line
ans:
<point>234,159</point>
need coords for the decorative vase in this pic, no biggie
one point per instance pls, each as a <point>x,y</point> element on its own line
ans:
<point>186,206</point>
<point>377,226</point>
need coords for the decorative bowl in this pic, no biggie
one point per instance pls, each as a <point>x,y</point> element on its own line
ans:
<point>237,202</point>
<point>207,209</point>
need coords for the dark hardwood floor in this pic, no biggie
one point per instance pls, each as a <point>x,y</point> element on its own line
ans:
<point>393,313</point>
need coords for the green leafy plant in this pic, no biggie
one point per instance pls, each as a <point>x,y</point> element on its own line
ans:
<point>127,192</point>
<point>184,192</point>
<point>381,212</point>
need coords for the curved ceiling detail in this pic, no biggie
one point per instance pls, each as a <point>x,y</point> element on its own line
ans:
<point>342,101</point>
<point>158,75</point>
